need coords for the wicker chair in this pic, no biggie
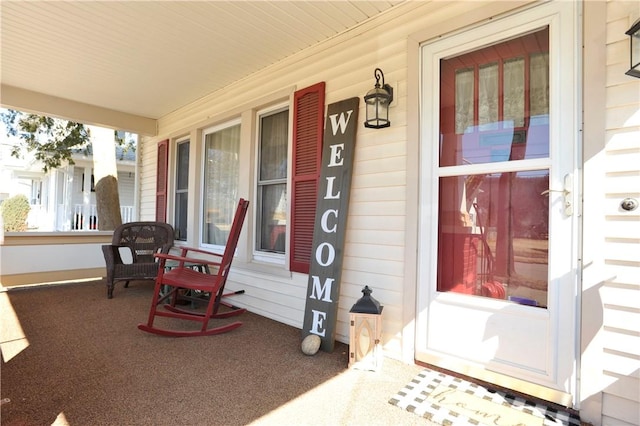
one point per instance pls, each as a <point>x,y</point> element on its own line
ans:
<point>140,241</point>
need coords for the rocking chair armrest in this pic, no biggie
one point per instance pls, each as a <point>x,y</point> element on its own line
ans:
<point>193,260</point>
<point>185,250</point>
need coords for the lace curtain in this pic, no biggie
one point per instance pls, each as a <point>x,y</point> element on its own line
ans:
<point>221,174</point>
<point>513,88</point>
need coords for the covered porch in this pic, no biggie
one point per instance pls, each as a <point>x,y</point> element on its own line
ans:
<point>77,358</point>
<point>185,75</point>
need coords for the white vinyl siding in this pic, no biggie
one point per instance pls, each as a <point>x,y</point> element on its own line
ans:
<point>621,291</point>
<point>147,158</point>
<point>374,249</point>
<point>126,188</point>
<point>77,196</point>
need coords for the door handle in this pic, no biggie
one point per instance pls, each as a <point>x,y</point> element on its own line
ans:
<point>566,193</point>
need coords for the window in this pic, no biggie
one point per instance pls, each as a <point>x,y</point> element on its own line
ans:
<point>283,201</point>
<point>274,229</point>
<point>36,193</point>
<point>181,190</point>
<point>221,177</point>
<point>271,220</point>
<point>93,181</point>
<point>161,180</point>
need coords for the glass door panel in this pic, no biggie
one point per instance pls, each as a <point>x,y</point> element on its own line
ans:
<point>494,103</point>
<point>494,236</point>
<point>493,227</point>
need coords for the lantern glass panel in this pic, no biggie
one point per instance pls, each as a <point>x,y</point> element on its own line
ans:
<point>364,335</point>
<point>634,40</point>
<point>365,348</point>
<point>372,109</point>
<point>635,50</point>
<point>378,110</point>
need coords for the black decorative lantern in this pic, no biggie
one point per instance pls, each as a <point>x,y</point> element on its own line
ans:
<point>377,102</point>
<point>365,331</point>
<point>634,47</point>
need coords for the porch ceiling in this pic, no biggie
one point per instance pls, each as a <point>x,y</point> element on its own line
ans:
<point>149,58</point>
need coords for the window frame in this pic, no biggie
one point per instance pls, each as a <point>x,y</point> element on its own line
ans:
<point>224,124</point>
<point>279,259</point>
<point>162,179</point>
<point>176,190</point>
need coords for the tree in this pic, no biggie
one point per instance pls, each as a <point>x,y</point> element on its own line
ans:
<point>53,142</point>
<point>106,175</point>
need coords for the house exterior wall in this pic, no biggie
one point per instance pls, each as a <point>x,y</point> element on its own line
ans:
<point>619,173</point>
<point>126,187</point>
<point>380,246</point>
<point>375,242</point>
<point>610,369</point>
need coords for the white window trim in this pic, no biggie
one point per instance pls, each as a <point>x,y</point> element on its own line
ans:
<point>277,259</point>
<point>171,181</point>
<point>174,185</point>
<point>203,157</point>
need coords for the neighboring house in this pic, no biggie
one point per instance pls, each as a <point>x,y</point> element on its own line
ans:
<point>487,219</point>
<point>63,199</point>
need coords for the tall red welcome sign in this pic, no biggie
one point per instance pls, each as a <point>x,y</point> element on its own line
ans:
<point>325,271</point>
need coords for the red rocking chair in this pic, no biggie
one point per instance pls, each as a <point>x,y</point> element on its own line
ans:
<point>184,276</point>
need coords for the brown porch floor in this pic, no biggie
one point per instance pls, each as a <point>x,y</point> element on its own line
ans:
<point>86,363</point>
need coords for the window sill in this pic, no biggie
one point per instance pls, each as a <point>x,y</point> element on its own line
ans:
<point>266,268</point>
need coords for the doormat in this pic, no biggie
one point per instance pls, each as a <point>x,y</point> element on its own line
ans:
<point>451,401</point>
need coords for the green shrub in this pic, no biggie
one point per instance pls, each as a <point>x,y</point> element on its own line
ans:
<point>14,213</point>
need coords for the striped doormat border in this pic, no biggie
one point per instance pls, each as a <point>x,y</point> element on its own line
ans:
<point>451,401</point>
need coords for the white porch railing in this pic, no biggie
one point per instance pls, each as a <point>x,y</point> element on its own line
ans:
<point>127,214</point>
<point>85,217</point>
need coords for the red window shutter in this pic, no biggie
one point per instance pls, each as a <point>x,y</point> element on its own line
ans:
<point>308,129</point>
<point>161,180</point>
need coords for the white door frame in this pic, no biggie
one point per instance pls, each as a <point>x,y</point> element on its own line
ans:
<point>558,382</point>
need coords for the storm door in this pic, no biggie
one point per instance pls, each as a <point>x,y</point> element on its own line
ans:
<point>497,271</point>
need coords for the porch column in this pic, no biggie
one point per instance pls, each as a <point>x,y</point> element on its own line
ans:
<point>62,200</point>
<point>47,199</point>
<point>86,199</point>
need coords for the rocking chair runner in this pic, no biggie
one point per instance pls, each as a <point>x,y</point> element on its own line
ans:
<point>185,277</point>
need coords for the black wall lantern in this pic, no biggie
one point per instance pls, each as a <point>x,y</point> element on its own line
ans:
<point>634,47</point>
<point>377,102</point>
